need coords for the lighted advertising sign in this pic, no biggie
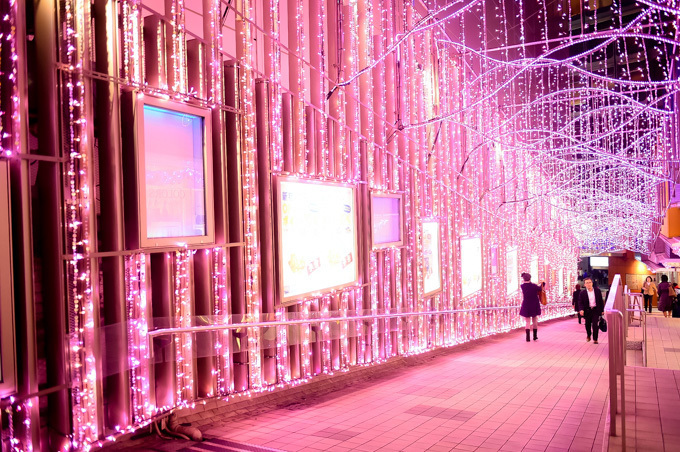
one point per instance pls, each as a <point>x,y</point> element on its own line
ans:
<point>317,237</point>
<point>560,281</point>
<point>599,262</point>
<point>512,274</point>
<point>471,265</point>
<point>432,272</point>
<point>386,220</point>
<point>533,269</point>
<point>175,186</point>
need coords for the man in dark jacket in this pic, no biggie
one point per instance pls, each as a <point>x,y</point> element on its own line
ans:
<point>591,307</point>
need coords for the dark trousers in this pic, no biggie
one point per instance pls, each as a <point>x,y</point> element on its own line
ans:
<point>592,323</point>
<point>648,302</point>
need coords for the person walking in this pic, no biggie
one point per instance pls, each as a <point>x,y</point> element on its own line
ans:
<point>531,306</point>
<point>648,291</point>
<point>665,301</point>
<point>591,307</point>
<point>574,301</point>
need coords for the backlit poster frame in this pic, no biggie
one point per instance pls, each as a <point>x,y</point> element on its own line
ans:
<point>431,257</point>
<point>281,259</point>
<point>533,269</point>
<point>374,244</point>
<point>140,156</point>
<point>512,271</point>
<point>470,265</point>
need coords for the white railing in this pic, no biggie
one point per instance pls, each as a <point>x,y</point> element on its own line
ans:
<point>635,306</point>
<point>616,314</point>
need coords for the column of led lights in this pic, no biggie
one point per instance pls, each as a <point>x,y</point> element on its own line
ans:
<point>223,366</point>
<point>131,11</point>
<point>275,102</point>
<point>183,317</point>
<point>138,340</point>
<point>283,373</point>
<point>10,140</point>
<point>325,308</point>
<point>216,97</point>
<point>344,331</point>
<point>326,170</point>
<point>79,288</point>
<point>251,236</point>
<point>301,87</point>
<point>179,50</point>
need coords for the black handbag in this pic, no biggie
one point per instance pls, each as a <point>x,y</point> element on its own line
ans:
<point>602,325</point>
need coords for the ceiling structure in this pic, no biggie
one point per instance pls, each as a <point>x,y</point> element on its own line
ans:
<point>588,89</point>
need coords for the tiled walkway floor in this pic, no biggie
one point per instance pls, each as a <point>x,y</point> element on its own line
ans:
<point>663,343</point>
<point>652,411</point>
<point>503,394</point>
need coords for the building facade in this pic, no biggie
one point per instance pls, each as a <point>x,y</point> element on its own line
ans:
<point>203,198</point>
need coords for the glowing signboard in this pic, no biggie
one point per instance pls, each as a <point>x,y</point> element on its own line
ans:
<point>386,220</point>
<point>533,269</point>
<point>560,281</point>
<point>175,186</point>
<point>317,237</point>
<point>471,265</point>
<point>432,272</point>
<point>512,274</point>
<point>599,262</point>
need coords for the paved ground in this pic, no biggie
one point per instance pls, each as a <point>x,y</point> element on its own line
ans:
<point>503,394</point>
<point>663,342</point>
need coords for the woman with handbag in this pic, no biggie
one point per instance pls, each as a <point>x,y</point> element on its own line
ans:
<point>648,291</point>
<point>665,298</point>
<point>591,307</point>
<point>531,306</point>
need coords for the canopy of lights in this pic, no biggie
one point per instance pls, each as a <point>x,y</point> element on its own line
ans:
<point>592,99</point>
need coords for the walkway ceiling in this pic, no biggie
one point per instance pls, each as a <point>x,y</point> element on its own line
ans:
<point>586,92</point>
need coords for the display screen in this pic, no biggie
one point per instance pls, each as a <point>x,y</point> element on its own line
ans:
<point>512,275</point>
<point>471,265</point>
<point>533,269</point>
<point>175,187</point>
<point>432,272</point>
<point>317,237</point>
<point>386,220</point>
<point>599,262</point>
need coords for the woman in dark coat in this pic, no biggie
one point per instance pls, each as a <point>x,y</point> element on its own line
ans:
<point>665,301</point>
<point>531,306</point>
<point>574,301</point>
<point>591,306</point>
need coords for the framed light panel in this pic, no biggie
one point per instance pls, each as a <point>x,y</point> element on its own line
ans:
<point>470,265</point>
<point>512,271</point>
<point>431,249</point>
<point>174,170</point>
<point>317,237</point>
<point>387,228</point>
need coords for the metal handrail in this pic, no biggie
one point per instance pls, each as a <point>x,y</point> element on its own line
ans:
<point>617,353</point>
<point>233,326</point>
<point>644,333</point>
<point>617,364</point>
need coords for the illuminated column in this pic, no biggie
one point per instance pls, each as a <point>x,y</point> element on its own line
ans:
<point>86,393</point>
<point>296,67</point>
<point>249,156</point>
<point>177,49</point>
<point>132,41</point>
<point>55,301</point>
<point>115,311</point>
